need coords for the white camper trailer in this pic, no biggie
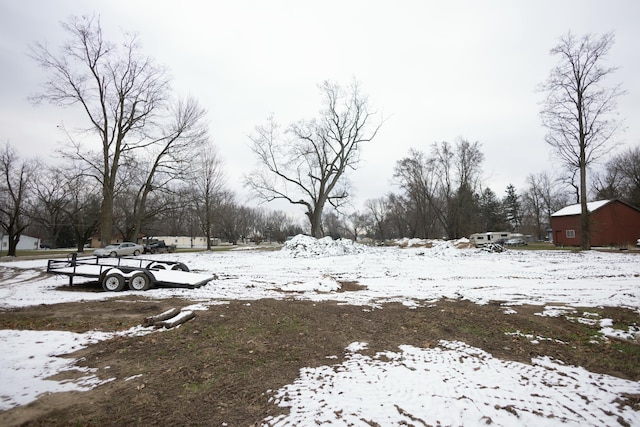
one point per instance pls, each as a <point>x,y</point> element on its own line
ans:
<point>481,239</point>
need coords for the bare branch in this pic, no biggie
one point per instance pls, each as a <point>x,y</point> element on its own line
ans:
<point>307,165</point>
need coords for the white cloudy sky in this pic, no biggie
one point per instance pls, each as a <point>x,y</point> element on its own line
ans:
<point>437,70</point>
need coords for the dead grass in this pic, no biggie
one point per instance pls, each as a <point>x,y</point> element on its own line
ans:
<point>219,367</point>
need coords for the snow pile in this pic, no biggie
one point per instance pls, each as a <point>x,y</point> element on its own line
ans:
<point>308,247</point>
<point>429,243</point>
<point>325,283</point>
<point>406,242</point>
<point>444,249</point>
<point>462,243</point>
<point>453,384</point>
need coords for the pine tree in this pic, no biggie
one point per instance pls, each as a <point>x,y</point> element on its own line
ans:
<point>512,208</point>
<point>491,212</point>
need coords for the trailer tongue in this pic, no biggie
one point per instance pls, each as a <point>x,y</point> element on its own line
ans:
<point>138,274</point>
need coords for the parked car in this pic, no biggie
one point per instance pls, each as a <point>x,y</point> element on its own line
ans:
<point>119,249</point>
<point>516,242</point>
<point>638,242</point>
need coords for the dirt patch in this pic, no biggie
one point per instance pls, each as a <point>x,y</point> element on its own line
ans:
<point>223,366</point>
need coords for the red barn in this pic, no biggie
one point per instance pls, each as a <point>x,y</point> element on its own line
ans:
<point>613,223</point>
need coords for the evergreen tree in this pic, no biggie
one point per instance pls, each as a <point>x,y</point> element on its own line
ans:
<point>513,209</point>
<point>491,211</point>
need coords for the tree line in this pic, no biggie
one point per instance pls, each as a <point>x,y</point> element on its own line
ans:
<point>62,206</point>
<point>144,165</point>
<point>440,194</point>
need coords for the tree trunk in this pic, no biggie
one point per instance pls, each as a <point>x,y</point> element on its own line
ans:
<point>13,244</point>
<point>315,218</point>
<point>106,219</point>
<point>140,210</point>
<point>584,216</point>
<point>208,234</point>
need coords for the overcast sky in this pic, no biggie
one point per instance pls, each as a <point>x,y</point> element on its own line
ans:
<point>437,70</point>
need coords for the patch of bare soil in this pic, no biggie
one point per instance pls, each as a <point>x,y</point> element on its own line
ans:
<point>222,366</point>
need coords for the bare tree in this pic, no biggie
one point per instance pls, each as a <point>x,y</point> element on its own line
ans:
<point>332,224</point>
<point>209,180</point>
<point>48,202</point>
<point>468,161</point>
<point>15,183</point>
<point>570,179</point>
<point>533,203</point>
<point>355,224</point>
<point>169,156</point>
<point>397,218</point>
<point>309,168</point>
<point>416,177</point>
<point>443,186</point>
<point>65,204</point>
<point>621,177</point>
<point>543,196</point>
<point>607,184</point>
<point>81,207</point>
<point>578,109</point>
<point>119,91</point>
<point>378,211</point>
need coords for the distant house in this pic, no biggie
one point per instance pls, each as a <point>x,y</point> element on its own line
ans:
<point>184,242</point>
<point>25,243</point>
<point>612,223</point>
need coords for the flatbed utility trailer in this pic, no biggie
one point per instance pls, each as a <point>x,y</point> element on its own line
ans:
<point>139,274</point>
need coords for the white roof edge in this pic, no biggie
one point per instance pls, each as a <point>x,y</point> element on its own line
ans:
<point>577,209</point>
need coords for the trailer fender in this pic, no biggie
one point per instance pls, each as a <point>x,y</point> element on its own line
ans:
<point>180,266</point>
<point>154,265</point>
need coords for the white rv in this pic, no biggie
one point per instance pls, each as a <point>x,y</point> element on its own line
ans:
<point>481,239</point>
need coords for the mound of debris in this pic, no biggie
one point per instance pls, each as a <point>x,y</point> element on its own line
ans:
<point>309,247</point>
<point>493,247</point>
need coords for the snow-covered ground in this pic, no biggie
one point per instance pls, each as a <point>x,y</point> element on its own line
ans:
<point>449,384</point>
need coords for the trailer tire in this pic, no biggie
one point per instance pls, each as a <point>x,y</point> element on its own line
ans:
<point>113,282</point>
<point>180,267</point>
<point>139,282</point>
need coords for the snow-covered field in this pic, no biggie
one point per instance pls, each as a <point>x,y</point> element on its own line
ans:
<point>450,384</point>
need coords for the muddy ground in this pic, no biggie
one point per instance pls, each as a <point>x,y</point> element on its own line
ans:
<point>223,366</point>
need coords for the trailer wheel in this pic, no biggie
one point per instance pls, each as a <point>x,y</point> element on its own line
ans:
<point>180,266</point>
<point>113,282</point>
<point>139,282</point>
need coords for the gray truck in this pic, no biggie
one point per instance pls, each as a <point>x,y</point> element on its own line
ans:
<point>158,247</point>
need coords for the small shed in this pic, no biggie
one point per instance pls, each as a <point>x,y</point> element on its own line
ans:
<point>612,223</point>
